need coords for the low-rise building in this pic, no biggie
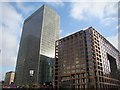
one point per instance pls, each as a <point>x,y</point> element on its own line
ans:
<point>9,78</point>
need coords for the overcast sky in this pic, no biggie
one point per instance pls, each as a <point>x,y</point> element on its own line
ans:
<point>74,16</point>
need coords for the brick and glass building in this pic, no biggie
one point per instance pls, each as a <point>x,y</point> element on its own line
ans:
<point>86,59</point>
<point>37,47</point>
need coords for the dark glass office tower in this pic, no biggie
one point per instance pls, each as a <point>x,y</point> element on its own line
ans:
<point>86,59</point>
<point>37,47</point>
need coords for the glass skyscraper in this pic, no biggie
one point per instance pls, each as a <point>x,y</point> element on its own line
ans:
<point>37,47</point>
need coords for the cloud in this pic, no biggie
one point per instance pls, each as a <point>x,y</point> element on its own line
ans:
<point>105,13</point>
<point>11,24</point>
<point>31,0</point>
<point>0,40</point>
<point>111,8</point>
<point>11,31</point>
<point>87,10</point>
<point>2,75</point>
<point>56,4</point>
<point>114,40</point>
<point>109,21</point>
<point>118,26</point>
<point>61,31</point>
<point>57,0</point>
<point>11,28</point>
<point>26,8</point>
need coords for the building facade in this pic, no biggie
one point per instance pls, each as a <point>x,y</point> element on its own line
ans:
<point>9,78</point>
<point>47,69</point>
<point>37,46</point>
<point>86,59</point>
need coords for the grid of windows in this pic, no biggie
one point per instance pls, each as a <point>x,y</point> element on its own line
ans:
<point>82,57</point>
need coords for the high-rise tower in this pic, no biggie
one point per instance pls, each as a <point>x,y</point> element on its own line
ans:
<point>37,46</point>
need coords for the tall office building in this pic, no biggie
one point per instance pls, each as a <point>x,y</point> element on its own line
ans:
<point>37,47</point>
<point>86,59</point>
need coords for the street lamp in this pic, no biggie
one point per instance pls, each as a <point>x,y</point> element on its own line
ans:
<point>31,73</point>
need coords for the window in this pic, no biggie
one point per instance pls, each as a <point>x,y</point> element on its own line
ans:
<point>91,86</point>
<point>87,36</point>
<point>73,71</point>
<point>80,33</point>
<point>87,32</point>
<point>77,70</point>
<point>90,60</point>
<point>88,44</point>
<point>89,52</point>
<point>83,74</point>
<point>81,52</point>
<point>82,56</point>
<point>73,66</point>
<point>64,72</point>
<point>88,40</point>
<point>68,71</point>
<point>91,80</point>
<point>68,67</point>
<point>77,65</point>
<point>81,41</point>
<point>82,69</point>
<point>88,47</point>
<point>81,48</point>
<point>89,56</point>
<point>83,80</point>
<point>77,62</point>
<point>82,61</point>
<point>90,68</point>
<point>81,45</point>
<point>80,38</point>
<point>83,65</point>
<point>90,64</point>
<point>91,73</point>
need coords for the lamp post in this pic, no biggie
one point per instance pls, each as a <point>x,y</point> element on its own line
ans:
<point>31,73</point>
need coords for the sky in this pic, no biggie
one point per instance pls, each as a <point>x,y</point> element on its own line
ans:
<point>74,16</point>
